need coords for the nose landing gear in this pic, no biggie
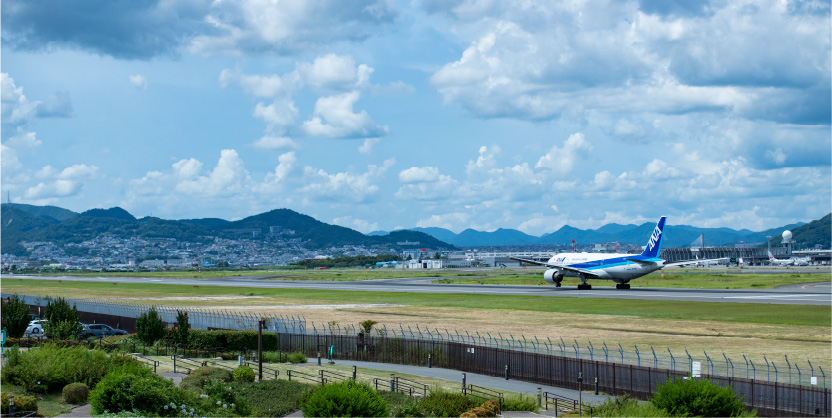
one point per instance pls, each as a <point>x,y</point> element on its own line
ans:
<point>622,286</point>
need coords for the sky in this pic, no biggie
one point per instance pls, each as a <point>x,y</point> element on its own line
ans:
<point>380,115</point>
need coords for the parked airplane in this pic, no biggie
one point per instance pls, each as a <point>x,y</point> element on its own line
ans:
<point>793,261</point>
<point>620,268</point>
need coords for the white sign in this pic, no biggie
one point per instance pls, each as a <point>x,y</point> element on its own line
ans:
<point>696,369</point>
<point>814,380</point>
<point>472,350</point>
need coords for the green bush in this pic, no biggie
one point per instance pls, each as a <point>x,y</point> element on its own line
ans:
<point>345,399</point>
<point>697,397</point>
<point>225,396</point>
<point>402,405</point>
<point>520,403</point>
<point>624,406</point>
<point>149,327</point>
<point>274,398</point>
<point>75,393</point>
<point>244,374</point>
<point>21,403</point>
<point>446,404</point>
<point>297,358</point>
<point>63,322</point>
<point>15,317</point>
<point>197,378</point>
<point>51,367</point>
<point>149,394</point>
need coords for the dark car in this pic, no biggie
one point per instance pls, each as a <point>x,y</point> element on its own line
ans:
<point>100,330</point>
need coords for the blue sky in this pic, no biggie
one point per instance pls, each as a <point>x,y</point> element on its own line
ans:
<point>457,114</point>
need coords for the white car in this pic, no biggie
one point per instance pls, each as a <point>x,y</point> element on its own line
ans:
<point>35,329</point>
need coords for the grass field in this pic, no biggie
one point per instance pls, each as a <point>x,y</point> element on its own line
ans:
<point>716,278</point>
<point>757,330</point>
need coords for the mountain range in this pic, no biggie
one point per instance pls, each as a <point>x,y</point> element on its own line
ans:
<point>675,235</point>
<point>22,222</point>
<point>27,223</point>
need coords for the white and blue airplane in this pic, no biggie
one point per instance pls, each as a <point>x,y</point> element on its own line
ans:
<point>620,268</point>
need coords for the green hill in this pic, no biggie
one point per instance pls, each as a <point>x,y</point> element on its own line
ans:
<point>49,212</point>
<point>811,234</point>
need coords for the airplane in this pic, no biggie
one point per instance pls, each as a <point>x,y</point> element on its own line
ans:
<point>620,268</point>
<point>793,261</point>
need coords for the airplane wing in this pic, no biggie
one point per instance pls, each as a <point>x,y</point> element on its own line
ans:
<point>686,262</point>
<point>559,267</point>
<point>642,262</point>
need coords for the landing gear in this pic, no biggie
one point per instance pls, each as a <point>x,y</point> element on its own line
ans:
<point>622,286</point>
<point>557,284</point>
<point>583,285</point>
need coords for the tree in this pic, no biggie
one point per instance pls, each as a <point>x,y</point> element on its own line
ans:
<point>367,325</point>
<point>149,326</point>
<point>62,320</point>
<point>694,397</point>
<point>182,328</point>
<point>15,316</point>
<point>437,256</point>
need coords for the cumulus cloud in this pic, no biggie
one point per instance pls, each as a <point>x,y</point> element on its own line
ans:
<point>344,186</point>
<point>563,160</point>
<point>203,27</point>
<point>367,146</point>
<point>361,225</point>
<point>334,118</point>
<point>335,72</point>
<point>279,114</point>
<point>68,182</point>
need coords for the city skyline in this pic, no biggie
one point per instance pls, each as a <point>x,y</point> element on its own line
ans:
<point>389,115</point>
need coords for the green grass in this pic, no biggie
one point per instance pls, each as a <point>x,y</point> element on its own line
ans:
<point>701,279</point>
<point>49,404</point>
<point>816,315</point>
<point>293,274</point>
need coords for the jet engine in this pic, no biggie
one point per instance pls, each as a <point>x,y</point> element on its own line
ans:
<point>553,276</point>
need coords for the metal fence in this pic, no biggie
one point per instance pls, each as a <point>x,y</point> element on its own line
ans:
<point>785,371</point>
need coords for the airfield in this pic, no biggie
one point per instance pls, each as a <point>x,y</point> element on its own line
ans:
<point>790,317</point>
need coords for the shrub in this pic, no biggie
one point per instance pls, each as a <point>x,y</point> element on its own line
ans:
<point>495,407</point>
<point>75,393</point>
<point>402,405</point>
<point>297,358</point>
<point>345,399</point>
<point>63,319</point>
<point>149,394</point>
<point>367,326</point>
<point>244,374</point>
<point>446,404</point>
<point>51,367</point>
<point>692,397</point>
<point>274,398</point>
<point>183,326</point>
<point>15,317</point>
<point>520,403</point>
<point>21,403</point>
<point>149,327</point>
<point>197,378</point>
<point>624,406</point>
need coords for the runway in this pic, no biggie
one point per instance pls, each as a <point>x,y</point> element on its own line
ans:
<point>805,294</point>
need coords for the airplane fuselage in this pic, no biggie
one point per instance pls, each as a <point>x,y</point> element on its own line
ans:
<point>613,267</point>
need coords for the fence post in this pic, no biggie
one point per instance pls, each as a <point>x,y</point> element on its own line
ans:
<point>621,350</point>
<point>754,370</point>
<point>709,362</point>
<point>606,352</point>
<point>790,368</point>
<point>746,365</point>
<point>775,371</point>
<point>638,355</point>
<point>591,351</point>
<point>655,359</point>
<point>798,373</point>
<point>726,363</point>
<point>824,376</point>
<point>768,371</point>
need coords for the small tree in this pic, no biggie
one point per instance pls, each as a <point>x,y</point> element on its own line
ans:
<point>62,320</point>
<point>149,326</point>
<point>182,329</point>
<point>15,316</point>
<point>367,325</point>
<point>694,397</point>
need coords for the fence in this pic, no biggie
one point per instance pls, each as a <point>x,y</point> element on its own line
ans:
<point>784,385</point>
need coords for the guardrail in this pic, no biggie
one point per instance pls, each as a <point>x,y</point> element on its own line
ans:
<point>146,360</point>
<point>190,365</point>
<point>563,404</point>
<point>254,366</point>
<point>484,393</point>
<point>304,376</point>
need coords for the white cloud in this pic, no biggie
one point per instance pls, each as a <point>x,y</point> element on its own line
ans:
<point>344,186</point>
<point>563,160</point>
<point>360,225</point>
<point>335,72</point>
<point>368,145</point>
<point>269,142</point>
<point>279,114</point>
<point>138,80</point>
<point>16,108</point>
<point>419,175</point>
<point>68,182</point>
<point>450,221</point>
<point>334,118</point>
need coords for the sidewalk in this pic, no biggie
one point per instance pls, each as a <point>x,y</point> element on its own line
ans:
<point>477,379</point>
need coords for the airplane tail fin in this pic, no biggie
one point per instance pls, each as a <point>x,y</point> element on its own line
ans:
<point>770,257</point>
<point>654,244</point>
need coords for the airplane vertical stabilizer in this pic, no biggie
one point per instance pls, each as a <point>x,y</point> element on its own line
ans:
<point>654,244</point>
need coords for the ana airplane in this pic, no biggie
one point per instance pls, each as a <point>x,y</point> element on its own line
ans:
<point>793,261</point>
<point>620,268</point>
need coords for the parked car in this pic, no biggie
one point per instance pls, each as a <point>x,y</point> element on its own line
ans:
<point>35,329</point>
<point>100,330</point>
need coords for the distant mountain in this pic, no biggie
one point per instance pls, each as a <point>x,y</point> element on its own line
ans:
<point>22,226</point>
<point>808,235</point>
<point>48,212</point>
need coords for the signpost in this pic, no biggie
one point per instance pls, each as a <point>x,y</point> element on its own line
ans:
<point>2,342</point>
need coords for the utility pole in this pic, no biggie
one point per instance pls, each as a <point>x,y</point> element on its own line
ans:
<point>260,325</point>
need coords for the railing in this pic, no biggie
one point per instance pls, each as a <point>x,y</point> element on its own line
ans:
<point>305,376</point>
<point>189,364</point>
<point>327,376</point>
<point>147,361</point>
<point>410,387</point>
<point>217,364</point>
<point>562,403</point>
<point>484,393</point>
<point>254,366</point>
